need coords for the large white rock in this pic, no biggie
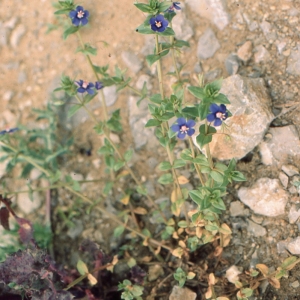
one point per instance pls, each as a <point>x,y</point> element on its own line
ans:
<point>251,115</point>
<point>266,197</point>
<point>283,147</point>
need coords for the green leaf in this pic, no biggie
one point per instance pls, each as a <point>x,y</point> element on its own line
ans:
<point>214,87</point>
<point>191,111</point>
<point>203,110</point>
<point>110,161</point>
<point>288,262</point>
<point>69,31</point>
<point>211,227</point>
<point>165,166</point>
<point>107,188</point>
<point>156,98</point>
<point>182,224</point>
<point>144,30</point>
<point>152,58</point>
<point>216,176</point>
<point>219,204</point>
<point>186,154</point>
<point>163,6</point>
<point>202,140</point>
<point>142,190</point>
<point>119,165</point>
<point>55,154</point>
<point>238,176</point>
<point>73,110</point>
<point>82,268</point>
<point>65,11</point>
<point>128,155</point>
<point>143,7</point>
<point>118,231</point>
<point>196,196</point>
<point>196,91</point>
<point>87,98</point>
<point>168,32</point>
<point>178,163</point>
<point>221,98</point>
<point>88,49</point>
<point>181,43</point>
<point>153,122</point>
<point>165,179</point>
<point>247,292</point>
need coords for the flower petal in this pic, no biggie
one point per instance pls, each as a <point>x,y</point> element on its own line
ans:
<point>90,91</point>
<point>84,21</point>
<point>86,13</point>
<point>152,21</point>
<point>214,108</point>
<point>223,108</point>
<point>190,123</point>
<point>72,14</point>
<point>217,122</point>
<point>191,131</point>
<point>181,121</point>
<point>181,135</point>
<point>76,21</point>
<point>79,8</point>
<point>210,117</point>
<point>81,90</point>
<point>175,127</point>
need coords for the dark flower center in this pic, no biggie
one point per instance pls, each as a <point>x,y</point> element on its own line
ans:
<point>158,24</point>
<point>220,115</point>
<point>184,129</point>
<point>85,84</point>
<point>80,14</point>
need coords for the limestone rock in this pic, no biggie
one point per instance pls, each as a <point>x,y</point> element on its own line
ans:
<point>294,246</point>
<point>266,197</point>
<point>290,170</point>
<point>16,35</point>
<point>256,229</point>
<point>27,205</point>
<point>184,293</point>
<point>155,271</point>
<point>282,148</point>
<point>261,54</point>
<point>251,115</point>
<point>293,63</point>
<point>208,44</point>
<point>132,61</point>
<point>214,10</point>
<point>294,214</point>
<point>244,52</point>
<point>181,26</point>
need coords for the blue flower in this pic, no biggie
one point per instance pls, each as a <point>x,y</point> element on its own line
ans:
<point>8,131</point>
<point>218,114</point>
<point>99,85</point>
<point>79,16</point>
<point>85,86</point>
<point>174,6</point>
<point>184,127</point>
<point>158,23</point>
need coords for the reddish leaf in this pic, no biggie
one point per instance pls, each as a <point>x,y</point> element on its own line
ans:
<point>4,216</point>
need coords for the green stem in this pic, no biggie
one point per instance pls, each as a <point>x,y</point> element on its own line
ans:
<point>96,75</point>
<point>198,170</point>
<point>159,71</point>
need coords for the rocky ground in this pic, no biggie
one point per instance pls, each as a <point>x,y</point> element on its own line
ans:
<point>253,45</point>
